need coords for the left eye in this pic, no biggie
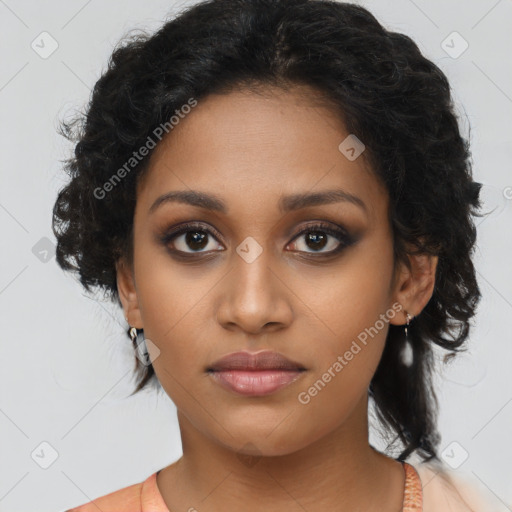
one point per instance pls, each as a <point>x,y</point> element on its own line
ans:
<point>319,238</point>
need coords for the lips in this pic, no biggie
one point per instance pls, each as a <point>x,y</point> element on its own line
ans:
<point>257,374</point>
<point>267,360</point>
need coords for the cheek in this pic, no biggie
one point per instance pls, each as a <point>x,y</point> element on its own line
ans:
<point>173,308</point>
<point>348,304</point>
<point>172,296</point>
<point>352,311</point>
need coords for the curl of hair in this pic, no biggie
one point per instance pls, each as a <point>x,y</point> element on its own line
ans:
<point>383,89</point>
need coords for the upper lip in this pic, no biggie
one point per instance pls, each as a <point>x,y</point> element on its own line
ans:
<point>265,360</point>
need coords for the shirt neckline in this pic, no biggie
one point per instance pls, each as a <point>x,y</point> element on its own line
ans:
<point>413,490</point>
<point>152,500</point>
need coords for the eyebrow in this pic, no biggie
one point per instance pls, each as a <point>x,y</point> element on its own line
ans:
<point>286,203</point>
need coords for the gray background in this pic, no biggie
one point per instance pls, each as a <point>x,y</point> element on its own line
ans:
<point>66,364</point>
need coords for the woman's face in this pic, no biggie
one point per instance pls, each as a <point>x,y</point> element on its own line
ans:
<point>244,279</point>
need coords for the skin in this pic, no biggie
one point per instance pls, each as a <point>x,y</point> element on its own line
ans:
<point>250,150</point>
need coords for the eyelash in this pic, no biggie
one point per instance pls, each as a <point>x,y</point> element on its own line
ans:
<point>345,240</point>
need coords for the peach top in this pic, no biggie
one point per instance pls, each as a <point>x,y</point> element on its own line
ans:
<point>425,491</point>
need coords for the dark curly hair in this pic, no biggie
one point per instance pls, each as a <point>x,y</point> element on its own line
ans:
<point>385,91</point>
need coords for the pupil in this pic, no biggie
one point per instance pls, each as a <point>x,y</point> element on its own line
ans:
<point>196,239</point>
<point>316,237</point>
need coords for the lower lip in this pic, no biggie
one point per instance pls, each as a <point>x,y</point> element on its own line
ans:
<point>255,382</point>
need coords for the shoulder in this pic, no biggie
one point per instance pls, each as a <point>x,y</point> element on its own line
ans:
<point>446,489</point>
<point>139,497</point>
<point>127,498</point>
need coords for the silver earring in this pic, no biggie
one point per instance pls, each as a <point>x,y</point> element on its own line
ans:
<point>407,354</point>
<point>141,350</point>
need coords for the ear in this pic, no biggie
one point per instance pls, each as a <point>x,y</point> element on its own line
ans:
<point>413,287</point>
<point>128,293</point>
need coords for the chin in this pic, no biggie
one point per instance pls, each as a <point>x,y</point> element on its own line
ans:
<point>266,442</point>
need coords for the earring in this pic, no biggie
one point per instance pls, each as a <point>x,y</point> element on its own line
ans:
<point>141,350</point>
<point>407,354</point>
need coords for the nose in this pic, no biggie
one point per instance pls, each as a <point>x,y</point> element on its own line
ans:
<point>254,298</point>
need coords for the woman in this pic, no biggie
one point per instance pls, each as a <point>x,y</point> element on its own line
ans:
<point>277,194</point>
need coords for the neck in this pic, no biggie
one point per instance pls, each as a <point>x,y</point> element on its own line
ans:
<point>340,471</point>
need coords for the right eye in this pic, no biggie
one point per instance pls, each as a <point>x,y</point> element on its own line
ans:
<point>191,236</point>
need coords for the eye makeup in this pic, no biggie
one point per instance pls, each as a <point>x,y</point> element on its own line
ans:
<point>317,232</point>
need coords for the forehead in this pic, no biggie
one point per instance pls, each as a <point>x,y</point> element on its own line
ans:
<point>252,148</point>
